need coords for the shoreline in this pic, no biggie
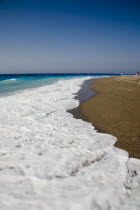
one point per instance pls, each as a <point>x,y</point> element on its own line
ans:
<point>50,160</point>
<point>116,103</point>
<point>82,95</point>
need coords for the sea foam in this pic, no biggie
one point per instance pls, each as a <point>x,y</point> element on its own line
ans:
<point>50,160</point>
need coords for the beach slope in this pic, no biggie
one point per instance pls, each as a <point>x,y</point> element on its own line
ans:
<point>116,110</point>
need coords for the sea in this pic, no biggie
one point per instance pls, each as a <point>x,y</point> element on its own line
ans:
<point>51,161</point>
<point>14,82</point>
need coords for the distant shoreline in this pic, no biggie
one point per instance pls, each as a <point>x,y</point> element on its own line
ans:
<point>115,110</point>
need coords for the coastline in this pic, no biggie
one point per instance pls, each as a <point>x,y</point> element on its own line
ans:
<point>114,109</point>
<point>85,93</point>
<point>46,153</point>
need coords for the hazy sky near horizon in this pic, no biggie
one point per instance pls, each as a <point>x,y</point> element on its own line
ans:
<point>69,36</point>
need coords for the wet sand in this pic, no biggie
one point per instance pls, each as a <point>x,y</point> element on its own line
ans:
<point>115,110</point>
<point>82,95</point>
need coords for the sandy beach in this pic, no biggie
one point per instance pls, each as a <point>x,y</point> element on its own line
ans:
<point>116,110</point>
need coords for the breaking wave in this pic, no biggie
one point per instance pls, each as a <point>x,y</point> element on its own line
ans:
<point>13,79</point>
<point>8,80</point>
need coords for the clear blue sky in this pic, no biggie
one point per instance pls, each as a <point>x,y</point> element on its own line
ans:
<point>69,36</point>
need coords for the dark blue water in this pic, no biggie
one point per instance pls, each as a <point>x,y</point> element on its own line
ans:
<point>14,82</point>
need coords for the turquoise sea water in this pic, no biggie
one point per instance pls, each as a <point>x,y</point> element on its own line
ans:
<point>14,82</point>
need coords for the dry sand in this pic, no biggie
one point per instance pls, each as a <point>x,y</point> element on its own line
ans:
<point>116,110</point>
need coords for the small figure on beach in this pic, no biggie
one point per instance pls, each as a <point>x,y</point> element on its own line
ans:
<point>137,74</point>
